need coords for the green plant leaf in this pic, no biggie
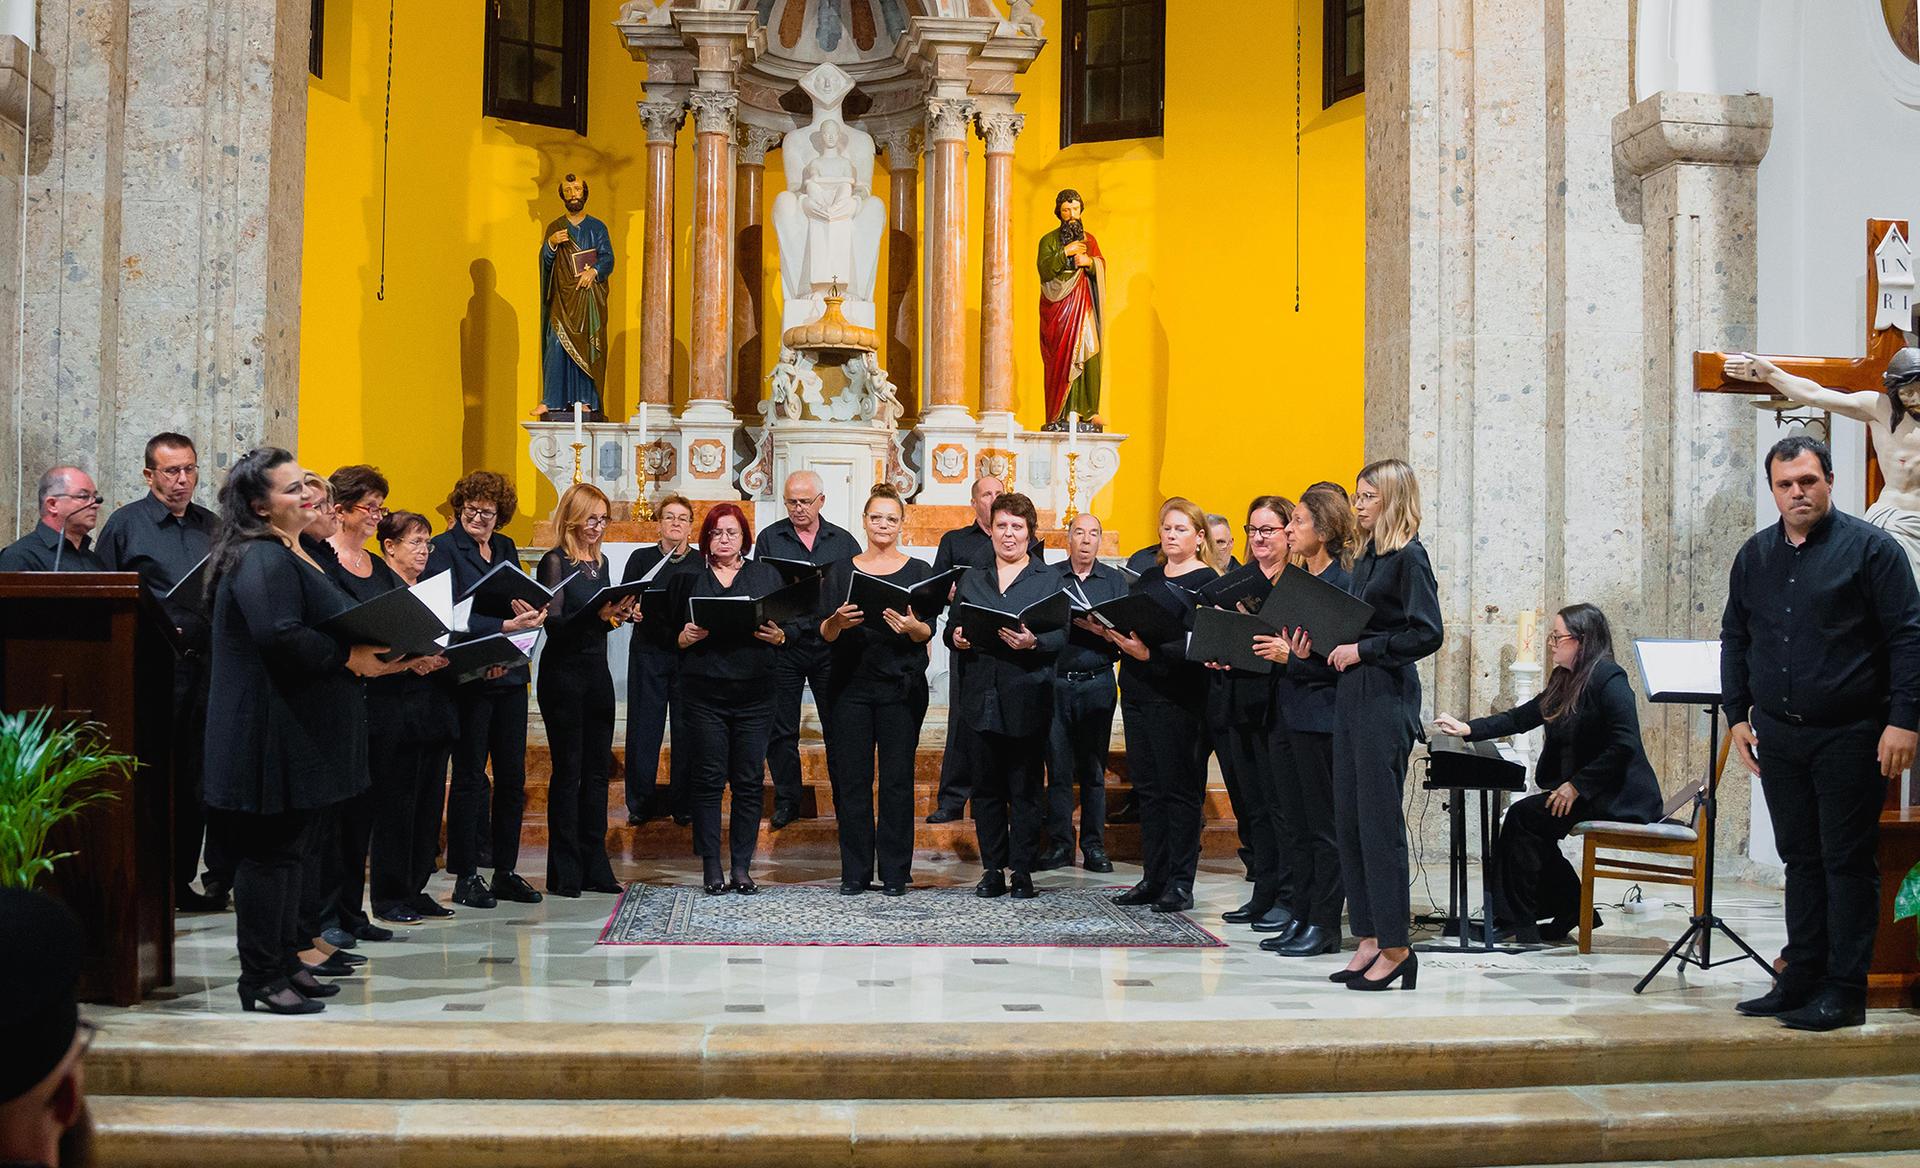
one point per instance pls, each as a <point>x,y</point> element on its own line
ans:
<point>1906,902</point>
<point>48,776</point>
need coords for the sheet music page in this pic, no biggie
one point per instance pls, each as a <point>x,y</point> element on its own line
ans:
<point>1679,667</point>
<point>436,592</point>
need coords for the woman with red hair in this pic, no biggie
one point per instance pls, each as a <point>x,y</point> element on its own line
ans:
<point>726,694</point>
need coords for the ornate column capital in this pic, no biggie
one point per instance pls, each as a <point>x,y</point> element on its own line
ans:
<point>662,119</point>
<point>713,110</point>
<point>947,118</point>
<point>752,143</point>
<point>902,144</point>
<point>998,129</point>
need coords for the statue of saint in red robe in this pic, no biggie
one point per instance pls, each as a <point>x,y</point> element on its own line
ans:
<point>1072,305</point>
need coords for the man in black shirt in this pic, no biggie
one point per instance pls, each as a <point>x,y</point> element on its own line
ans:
<point>1820,676</point>
<point>63,540</point>
<point>803,535</point>
<point>1084,694</point>
<point>163,535</point>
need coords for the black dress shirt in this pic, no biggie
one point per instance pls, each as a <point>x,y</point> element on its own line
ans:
<point>870,658</point>
<point>1405,626</point>
<point>972,547</point>
<point>831,544</point>
<point>1145,558</point>
<point>1085,652</point>
<point>37,550</point>
<point>1166,675</point>
<point>1823,634</point>
<point>454,550</point>
<point>1005,690</point>
<point>569,639</point>
<point>660,636</point>
<point>1304,692</point>
<point>711,658</point>
<point>147,538</point>
<point>1596,746</point>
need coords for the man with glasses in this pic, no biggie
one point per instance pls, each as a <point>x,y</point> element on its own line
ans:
<point>163,535</point>
<point>653,674</point>
<point>1084,695</point>
<point>63,541</point>
<point>802,535</point>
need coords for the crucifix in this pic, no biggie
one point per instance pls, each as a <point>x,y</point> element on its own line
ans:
<point>1853,387</point>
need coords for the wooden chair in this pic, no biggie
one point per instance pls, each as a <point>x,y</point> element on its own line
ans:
<point>1672,836</point>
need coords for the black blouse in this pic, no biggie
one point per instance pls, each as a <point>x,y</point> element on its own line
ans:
<point>660,636</point>
<point>1405,626</point>
<point>1166,675</point>
<point>871,658</point>
<point>1005,690</point>
<point>714,659</point>
<point>585,638</point>
<point>457,552</point>
<point>1596,746</point>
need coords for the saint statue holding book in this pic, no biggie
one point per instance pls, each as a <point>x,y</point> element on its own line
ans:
<point>1073,276</point>
<point>576,258</point>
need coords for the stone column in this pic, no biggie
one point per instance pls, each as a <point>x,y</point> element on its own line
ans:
<point>998,129</point>
<point>749,282</point>
<point>713,129</point>
<point>946,243</point>
<point>662,120</point>
<point>1697,157</point>
<point>903,231</point>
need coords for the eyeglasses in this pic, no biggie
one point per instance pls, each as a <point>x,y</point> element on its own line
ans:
<point>1554,639</point>
<point>595,521</point>
<point>416,542</point>
<point>372,511</point>
<point>806,502</point>
<point>881,518</point>
<point>476,515</point>
<point>88,497</point>
<point>1366,497</point>
<point>178,472</point>
<point>1262,532</point>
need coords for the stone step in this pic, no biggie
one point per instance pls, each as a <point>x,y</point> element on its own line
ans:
<point>1592,1123</point>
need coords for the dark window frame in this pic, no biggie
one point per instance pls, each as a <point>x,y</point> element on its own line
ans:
<point>1337,84</point>
<point>571,113</point>
<point>317,37</point>
<point>1074,126</point>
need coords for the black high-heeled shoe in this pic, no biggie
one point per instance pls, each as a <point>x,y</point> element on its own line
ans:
<point>1407,973</point>
<point>277,997</point>
<point>743,885</point>
<point>309,986</point>
<point>1343,976</point>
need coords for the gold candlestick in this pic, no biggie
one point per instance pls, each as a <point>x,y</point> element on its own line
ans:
<point>1073,487</point>
<point>577,448</point>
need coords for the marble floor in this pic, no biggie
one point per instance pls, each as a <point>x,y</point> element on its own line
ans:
<point>541,963</point>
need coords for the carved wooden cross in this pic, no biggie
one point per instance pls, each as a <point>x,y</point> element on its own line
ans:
<point>1886,254</point>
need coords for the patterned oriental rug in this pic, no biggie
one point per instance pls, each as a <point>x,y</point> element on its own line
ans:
<point>819,915</point>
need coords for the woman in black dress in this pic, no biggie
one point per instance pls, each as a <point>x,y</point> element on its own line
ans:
<point>1377,718</point>
<point>1593,765</point>
<point>291,736</point>
<point>726,694</point>
<point>575,692</point>
<point>1320,539</point>
<point>1166,723</point>
<point>877,692</point>
<point>1005,704</point>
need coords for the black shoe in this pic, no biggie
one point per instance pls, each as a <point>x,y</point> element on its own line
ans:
<point>563,893</point>
<point>1060,857</point>
<point>783,816</point>
<point>427,906</point>
<point>853,887</point>
<point>216,888</point>
<point>1141,893</point>
<point>1173,900</point>
<point>187,900</point>
<point>1128,812</point>
<point>1407,973</point>
<point>1775,1002</point>
<point>634,819</point>
<point>398,914</point>
<point>893,890</point>
<point>991,885</point>
<point>278,997</point>
<point>472,891</point>
<point>743,885</point>
<point>352,959</point>
<point>1274,943</point>
<point>683,818</point>
<point>1558,928</point>
<point>1023,886</point>
<point>329,968</point>
<point>605,887</point>
<point>1309,941</point>
<point>716,887</point>
<point>1828,1011</point>
<point>309,986</point>
<point>1247,913</point>
<point>510,886</point>
<point>1096,861</point>
<point>943,815</point>
<point>1275,920</point>
<point>372,932</point>
<point>339,938</point>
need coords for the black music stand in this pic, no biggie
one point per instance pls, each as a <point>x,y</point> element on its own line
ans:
<point>1457,767</point>
<point>1677,671</point>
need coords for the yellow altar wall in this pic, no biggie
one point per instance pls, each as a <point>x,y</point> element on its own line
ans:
<point>1227,389</point>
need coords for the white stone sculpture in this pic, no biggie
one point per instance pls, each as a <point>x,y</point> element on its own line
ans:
<point>828,222</point>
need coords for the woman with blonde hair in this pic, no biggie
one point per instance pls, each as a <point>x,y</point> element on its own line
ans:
<point>1376,719</point>
<point>575,692</point>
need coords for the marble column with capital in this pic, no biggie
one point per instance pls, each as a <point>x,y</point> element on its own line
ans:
<point>749,276</point>
<point>902,148</point>
<point>713,120</point>
<point>946,250</point>
<point>662,120</point>
<point>998,129</point>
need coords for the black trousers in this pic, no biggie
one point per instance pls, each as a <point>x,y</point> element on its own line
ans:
<point>1824,791</point>
<point>1077,746</point>
<point>190,678</point>
<point>1375,716</point>
<point>493,727</point>
<point>866,726</point>
<point>727,730</point>
<point>1215,740</point>
<point>956,770</point>
<point>1169,772</point>
<point>1007,818</point>
<point>576,703</point>
<point>406,820</point>
<point>268,853</point>
<point>1263,824</point>
<point>1533,882</point>
<point>653,698</point>
<point>1304,789</point>
<point>322,874</point>
<point>801,663</point>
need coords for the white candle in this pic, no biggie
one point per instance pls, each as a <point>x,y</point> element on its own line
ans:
<point>1073,432</point>
<point>579,417</point>
<point>643,432</point>
<point>1009,433</point>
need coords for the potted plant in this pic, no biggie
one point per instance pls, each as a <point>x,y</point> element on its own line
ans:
<point>47,775</point>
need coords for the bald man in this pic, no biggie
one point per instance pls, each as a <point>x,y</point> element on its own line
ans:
<point>63,539</point>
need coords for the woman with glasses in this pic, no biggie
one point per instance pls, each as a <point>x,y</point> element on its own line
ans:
<point>1377,718</point>
<point>1593,765</point>
<point>359,503</point>
<point>877,695</point>
<point>492,711</point>
<point>726,695</point>
<point>653,673</point>
<point>575,692</point>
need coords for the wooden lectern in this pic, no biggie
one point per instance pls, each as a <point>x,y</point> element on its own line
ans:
<point>90,646</point>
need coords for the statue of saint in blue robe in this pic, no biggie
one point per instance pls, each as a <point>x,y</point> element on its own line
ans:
<point>573,330</point>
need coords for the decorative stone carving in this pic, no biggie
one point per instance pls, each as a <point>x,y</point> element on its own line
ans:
<point>949,462</point>
<point>752,143</point>
<point>713,111</point>
<point>646,12</point>
<point>793,387</point>
<point>1021,16</point>
<point>998,129</point>
<point>662,119</point>
<point>707,458</point>
<point>947,118</point>
<point>828,221</point>
<point>902,145</point>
